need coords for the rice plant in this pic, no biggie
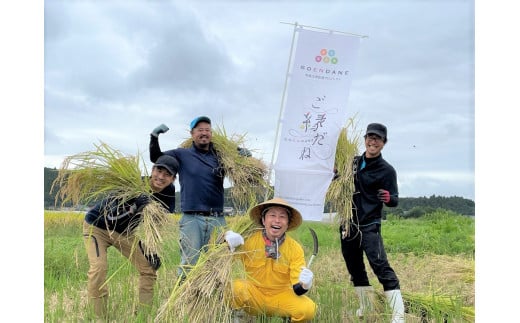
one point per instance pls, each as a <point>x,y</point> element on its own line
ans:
<point>247,175</point>
<point>90,176</point>
<point>339,194</point>
<point>204,294</point>
<point>438,307</point>
<point>436,284</point>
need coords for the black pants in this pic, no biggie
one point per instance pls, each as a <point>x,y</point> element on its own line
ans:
<point>367,239</point>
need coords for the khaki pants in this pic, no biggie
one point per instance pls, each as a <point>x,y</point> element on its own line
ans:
<point>97,242</point>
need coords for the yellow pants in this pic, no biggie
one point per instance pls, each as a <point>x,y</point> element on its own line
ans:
<point>285,303</point>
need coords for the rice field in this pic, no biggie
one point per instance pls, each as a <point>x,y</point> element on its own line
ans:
<point>433,257</point>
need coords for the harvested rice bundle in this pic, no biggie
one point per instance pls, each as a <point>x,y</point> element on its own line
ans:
<point>90,176</point>
<point>204,294</point>
<point>438,307</point>
<point>247,175</point>
<point>155,228</point>
<point>339,194</point>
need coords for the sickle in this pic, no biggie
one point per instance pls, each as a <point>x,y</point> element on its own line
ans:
<point>315,250</point>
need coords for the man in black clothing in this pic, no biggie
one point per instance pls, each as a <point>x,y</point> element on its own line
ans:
<point>375,183</point>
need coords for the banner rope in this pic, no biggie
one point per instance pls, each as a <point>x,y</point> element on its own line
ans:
<point>329,30</point>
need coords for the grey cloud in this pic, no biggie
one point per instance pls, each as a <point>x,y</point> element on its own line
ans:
<point>114,70</point>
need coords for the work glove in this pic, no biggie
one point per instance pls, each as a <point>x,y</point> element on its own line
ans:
<point>140,202</point>
<point>159,129</point>
<point>306,277</point>
<point>233,239</point>
<point>244,152</point>
<point>153,258</point>
<point>154,261</point>
<point>383,195</point>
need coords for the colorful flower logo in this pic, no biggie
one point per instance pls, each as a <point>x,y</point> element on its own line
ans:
<point>327,56</point>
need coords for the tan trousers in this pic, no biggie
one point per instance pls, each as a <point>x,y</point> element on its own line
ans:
<point>97,241</point>
<point>286,303</point>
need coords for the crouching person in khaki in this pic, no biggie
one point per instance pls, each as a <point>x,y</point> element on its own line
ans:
<point>112,222</point>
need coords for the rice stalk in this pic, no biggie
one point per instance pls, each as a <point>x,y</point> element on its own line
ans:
<point>155,228</point>
<point>431,307</point>
<point>247,175</point>
<point>88,177</point>
<point>340,191</point>
<point>204,295</point>
<point>438,307</point>
<point>201,297</point>
<point>91,175</point>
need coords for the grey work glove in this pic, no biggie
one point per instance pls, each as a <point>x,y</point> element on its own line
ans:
<point>244,152</point>
<point>162,128</point>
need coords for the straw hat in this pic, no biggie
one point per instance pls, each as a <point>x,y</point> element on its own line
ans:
<point>295,218</point>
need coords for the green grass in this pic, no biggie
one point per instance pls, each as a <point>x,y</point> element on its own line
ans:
<point>433,257</point>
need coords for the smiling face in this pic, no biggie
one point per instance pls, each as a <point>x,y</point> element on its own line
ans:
<point>201,135</point>
<point>373,144</point>
<point>275,221</point>
<point>160,178</point>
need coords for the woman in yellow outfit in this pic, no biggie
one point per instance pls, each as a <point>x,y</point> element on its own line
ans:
<point>275,266</point>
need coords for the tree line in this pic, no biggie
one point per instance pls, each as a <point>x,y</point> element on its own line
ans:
<point>408,207</point>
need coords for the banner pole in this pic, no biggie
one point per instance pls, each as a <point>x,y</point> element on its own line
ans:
<point>329,30</point>
<point>281,109</point>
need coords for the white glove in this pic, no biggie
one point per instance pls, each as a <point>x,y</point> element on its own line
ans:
<point>306,277</point>
<point>233,239</point>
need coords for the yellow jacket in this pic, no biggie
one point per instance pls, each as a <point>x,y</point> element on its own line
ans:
<point>268,274</point>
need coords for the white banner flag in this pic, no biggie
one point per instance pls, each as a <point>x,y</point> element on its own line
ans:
<point>314,113</point>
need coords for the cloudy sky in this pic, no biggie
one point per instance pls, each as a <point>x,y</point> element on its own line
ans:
<point>113,71</point>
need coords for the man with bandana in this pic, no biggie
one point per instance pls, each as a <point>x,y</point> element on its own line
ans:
<point>201,177</point>
<point>277,278</point>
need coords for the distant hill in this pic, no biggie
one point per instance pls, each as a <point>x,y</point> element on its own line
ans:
<point>417,206</point>
<point>408,206</point>
<point>49,175</point>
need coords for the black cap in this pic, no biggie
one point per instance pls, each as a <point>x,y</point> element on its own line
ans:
<point>168,162</point>
<point>196,121</point>
<point>377,129</point>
